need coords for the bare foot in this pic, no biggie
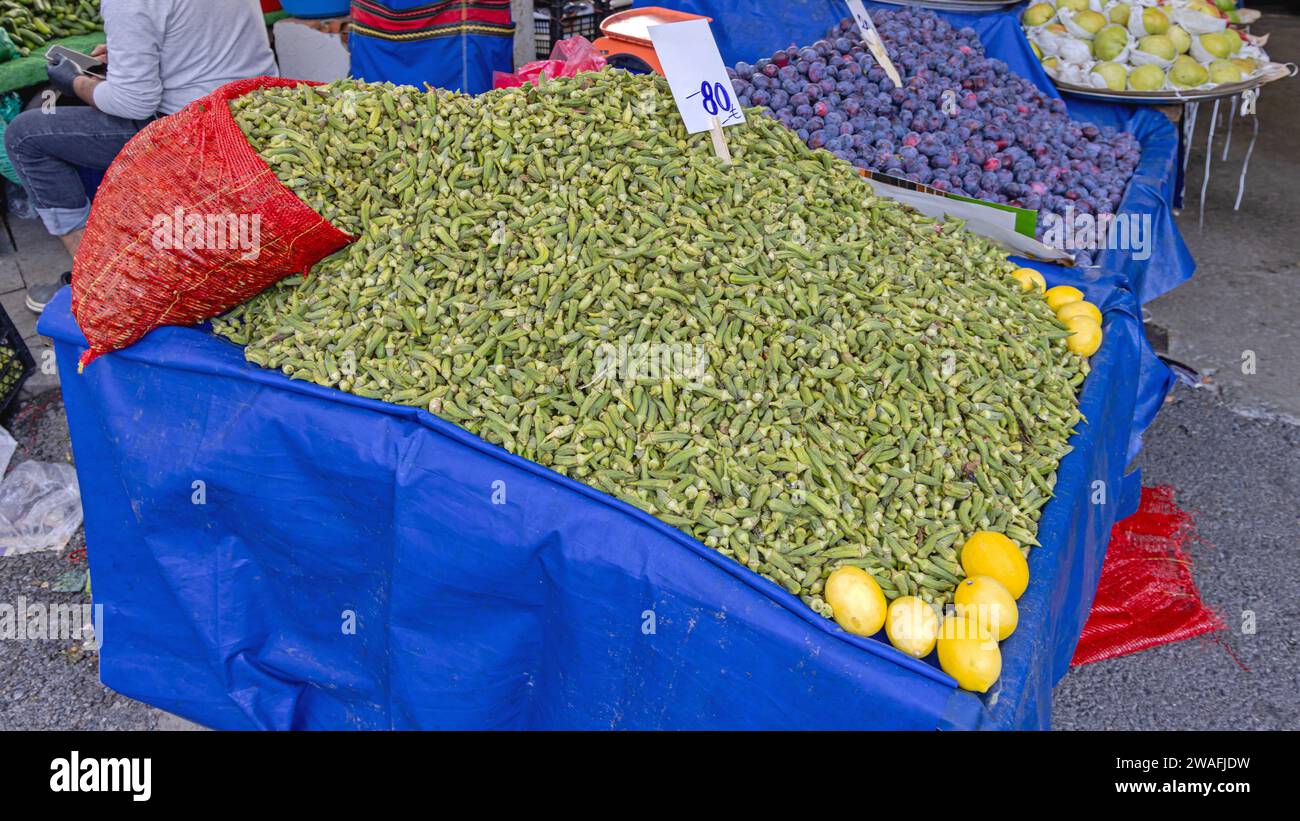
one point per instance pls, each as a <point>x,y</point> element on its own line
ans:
<point>72,241</point>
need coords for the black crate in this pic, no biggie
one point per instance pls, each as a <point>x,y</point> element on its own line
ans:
<point>10,337</point>
<point>557,25</point>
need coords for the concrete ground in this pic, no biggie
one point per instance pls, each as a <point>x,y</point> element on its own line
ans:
<point>29,256</point>
<point>1242,304</point>
<point>1240,478</point>
<point>1231,449</point>
<point>1228,447</point>
<point>54,685</point>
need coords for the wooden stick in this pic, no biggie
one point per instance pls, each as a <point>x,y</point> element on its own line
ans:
<point>719,141</point>
<point>878,51</point>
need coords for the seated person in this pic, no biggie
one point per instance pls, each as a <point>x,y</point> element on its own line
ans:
<point>165,54</point>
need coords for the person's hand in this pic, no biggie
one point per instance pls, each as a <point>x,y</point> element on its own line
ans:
<point>62,73</point>
<point>100,53</point>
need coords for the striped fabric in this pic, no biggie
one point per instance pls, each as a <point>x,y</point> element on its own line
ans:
<point>445,19</point>
<point>454,44</point>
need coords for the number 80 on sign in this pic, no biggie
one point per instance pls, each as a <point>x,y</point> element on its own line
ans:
<point>715,99</point>
<point>695,72</point>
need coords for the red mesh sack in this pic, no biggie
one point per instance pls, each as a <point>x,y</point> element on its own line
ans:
<point>1146,595</point>
<point>188,223</point>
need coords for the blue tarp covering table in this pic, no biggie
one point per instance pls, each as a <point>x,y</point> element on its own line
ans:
<point>747,30</point>
<point>355,564</point>
<point>273,554</point>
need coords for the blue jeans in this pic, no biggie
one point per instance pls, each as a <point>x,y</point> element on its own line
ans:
<point>46,148</point>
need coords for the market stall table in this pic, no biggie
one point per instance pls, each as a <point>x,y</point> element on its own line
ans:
<point>273,554</point>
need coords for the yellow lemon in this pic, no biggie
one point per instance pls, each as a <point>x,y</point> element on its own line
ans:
<point>856,599</point>
<point>1086,338</point>
<point>974,661</point>
<point>1062,295</point>
<point>1029,278</point>
<point>991,554</point>
<point>1083,307</point>
<point>988,601</point>
<point>912,626</point>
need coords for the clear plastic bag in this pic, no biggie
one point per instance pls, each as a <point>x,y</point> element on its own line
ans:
<point>40,507</point>
<point>7,448</point>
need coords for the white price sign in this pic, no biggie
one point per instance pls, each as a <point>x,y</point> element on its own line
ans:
<point>873,41</point>
<point>691,62</point>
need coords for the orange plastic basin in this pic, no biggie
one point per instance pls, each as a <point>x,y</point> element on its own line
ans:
<point>628,32</point>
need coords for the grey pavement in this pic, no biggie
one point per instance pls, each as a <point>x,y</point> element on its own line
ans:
<point>32,257</point>
<point>1243,299</point>
<point>1231,449</point>
<point>1239,477</point>
<point>53,685</point>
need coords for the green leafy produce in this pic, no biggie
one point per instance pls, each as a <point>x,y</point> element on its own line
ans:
<point>33,23</point>
<point>11,370</point>
<point>849,382</point>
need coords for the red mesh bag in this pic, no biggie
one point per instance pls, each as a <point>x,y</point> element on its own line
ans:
<point>1146,595</point>
<point>188,223</point>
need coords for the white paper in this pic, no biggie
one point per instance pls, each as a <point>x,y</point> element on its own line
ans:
<point>691,62</point>
<point>993,223</point>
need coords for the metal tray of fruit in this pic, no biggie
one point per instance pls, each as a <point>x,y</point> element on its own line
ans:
<point>1269,73</point>
<point>956,5</point>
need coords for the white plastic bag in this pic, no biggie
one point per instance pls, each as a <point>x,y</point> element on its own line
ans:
<point>1073,51</point>
<point>1197,23</point>
<point>1067,19</point>
<point>1144,58</point>
<point>1075,74</point>
<point>7,448</point>
<point>40,507</point>
<point>1046,41</point>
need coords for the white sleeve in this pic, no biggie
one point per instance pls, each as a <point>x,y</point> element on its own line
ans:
<point>134,87</point>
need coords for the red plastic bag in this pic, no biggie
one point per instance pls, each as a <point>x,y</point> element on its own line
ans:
<point>188,223</point>
<point>570,56</point>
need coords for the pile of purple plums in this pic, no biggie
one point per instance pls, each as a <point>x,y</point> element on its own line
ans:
<point>962,122</point>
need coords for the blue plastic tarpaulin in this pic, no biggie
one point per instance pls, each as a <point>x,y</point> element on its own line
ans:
<point>274,554</point>
<point>747,30</point>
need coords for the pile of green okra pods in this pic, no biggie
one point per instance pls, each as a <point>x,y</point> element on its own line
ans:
<point>797,373</point>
